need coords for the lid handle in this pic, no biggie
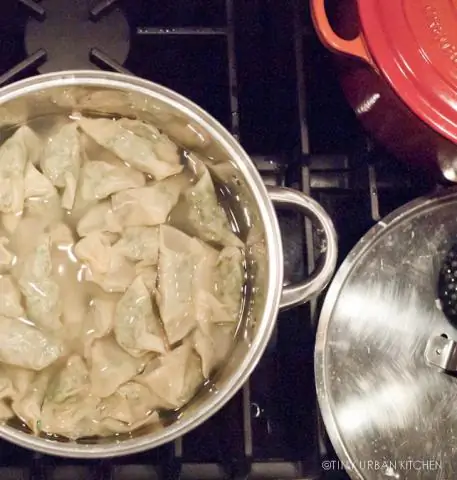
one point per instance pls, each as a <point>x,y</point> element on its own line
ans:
<point>354,48</point>
<point>441,352</point>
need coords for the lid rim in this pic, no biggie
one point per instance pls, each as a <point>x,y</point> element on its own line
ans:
<point>403,64</point>
<point>321,362</point>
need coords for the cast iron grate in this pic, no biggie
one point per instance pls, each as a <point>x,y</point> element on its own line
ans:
<point>257,67</point>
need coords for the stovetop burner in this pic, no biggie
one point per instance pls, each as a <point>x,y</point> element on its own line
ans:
<point>74,34</point>
<point>258,68</point>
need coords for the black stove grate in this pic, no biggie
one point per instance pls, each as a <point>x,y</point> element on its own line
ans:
<point>258,67</point>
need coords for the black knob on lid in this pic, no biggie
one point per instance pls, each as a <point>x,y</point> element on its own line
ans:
<point>447,285</point>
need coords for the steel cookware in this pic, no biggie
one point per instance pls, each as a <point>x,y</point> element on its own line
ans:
<point>252,205</point>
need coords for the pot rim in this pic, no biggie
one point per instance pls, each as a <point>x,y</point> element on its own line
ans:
<point>236,153</point>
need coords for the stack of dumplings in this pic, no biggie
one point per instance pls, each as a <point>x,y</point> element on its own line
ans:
<point>121,277</point>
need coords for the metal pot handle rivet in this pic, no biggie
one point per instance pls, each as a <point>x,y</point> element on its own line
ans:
<point>305,290</point>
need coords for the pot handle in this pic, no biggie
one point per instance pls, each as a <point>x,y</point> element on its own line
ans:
<point>354,48</point>
<point>295,294</point>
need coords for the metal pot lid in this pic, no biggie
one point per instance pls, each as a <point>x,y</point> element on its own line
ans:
<point>414,43</point>
<point>389,405</point>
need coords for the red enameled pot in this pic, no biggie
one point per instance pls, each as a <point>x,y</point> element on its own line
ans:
<point>399,73</point>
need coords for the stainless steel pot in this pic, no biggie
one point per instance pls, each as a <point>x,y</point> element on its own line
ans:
<point>252,205</point>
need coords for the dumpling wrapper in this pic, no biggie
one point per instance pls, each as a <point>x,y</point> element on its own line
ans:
<point>36,184</point>
<point>136,151</point>
<point>111,366</point>
<point>165,149</point>
<point>28,407</point>
<point>21,147</point>
<point>7,389</point>
<point>117,279</point>
<point>185,265</point>
<point>46,209</point>
<point>101,179</point>
<point>146,206</point>
<point>61,161</point>
<point>107,268</point>
<point>200,213</point>
<point>61,236</point>
<point>99,218</point>
<point>176,379</point>
<point>95,251</point>
<point>229,280</point>
<point>130,404</point>
<point>136,326</point>
<point>7,257</point>
<point>213,346</point>
<point>10,298</point>
<point>99,321</point>
<point>149,275</point>
<point>41,291</point>
<point>71,380</point>
<point>139,244</point>
<point>21,379</point>
<point>74,294</point>
<point>26,346</point>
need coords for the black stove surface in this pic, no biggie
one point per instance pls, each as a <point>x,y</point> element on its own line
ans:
<point>258,67</point>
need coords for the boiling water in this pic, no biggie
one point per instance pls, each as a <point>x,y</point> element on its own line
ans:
<point>75,292</point>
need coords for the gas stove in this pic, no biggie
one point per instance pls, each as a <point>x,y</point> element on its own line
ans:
<point>258,67</point>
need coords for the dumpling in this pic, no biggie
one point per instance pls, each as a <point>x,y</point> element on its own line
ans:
<point>165,149</point>
<point>109,425</point>
<point>41,291</point>
<point>7,389</point>
<point>176,378</point>
<point>119,276</point>
<point>213,346</point>
<point>139,244</point>
<point>46,208</point>
<point>99,321</point>
<point>36,184</point>
<point>26,346</point>
<point>101,179</point>
<point>99,218</point>
<point>229,280</point>
<point>130,404</point>
<point>20,148</point>
<point>107,268</point>
<point>28,407</point>
<point>111,366</point>
<point>71,418</point>
<point>21,379</point>
<point>136,326</point>
<point>7,258</point>
<point>61,161</point>
<point>148,273</point>
<point>136,151</point>
<point>68,399</point>
<point>200,211</point>
<point>75,304</point>
<point>61,236</point>
<point>95,251</point>
<point>6,412</point>
<point>146,206</point>
<point>184,263</point>
<point>71,380</point>
<point>10,298</point>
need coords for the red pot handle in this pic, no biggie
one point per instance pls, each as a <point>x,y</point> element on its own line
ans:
<point>354,48</point>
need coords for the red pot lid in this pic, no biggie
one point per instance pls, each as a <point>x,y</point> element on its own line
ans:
<point>414,44</point>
